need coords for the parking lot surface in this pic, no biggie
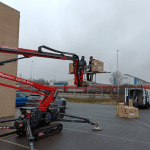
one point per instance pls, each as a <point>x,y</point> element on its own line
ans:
<point>118,133</point>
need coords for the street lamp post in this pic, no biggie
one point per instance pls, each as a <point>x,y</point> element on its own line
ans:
<point>54,74</point>
<point>31,72</point>
<point>110,67</point>
<point>117,72</point>
<point>31,69</point>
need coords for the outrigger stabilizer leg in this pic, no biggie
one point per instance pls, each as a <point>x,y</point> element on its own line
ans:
<point>7,127</point>
<point>81,120</point>
<point>27,129</point>
<point>29,133</point>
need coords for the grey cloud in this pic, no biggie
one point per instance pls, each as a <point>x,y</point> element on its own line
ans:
<point>98,28</point>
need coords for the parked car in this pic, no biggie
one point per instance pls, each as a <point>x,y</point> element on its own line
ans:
<point>21,98</point>
<point>35,99</point>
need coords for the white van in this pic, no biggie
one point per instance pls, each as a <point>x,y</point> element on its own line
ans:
<point>140,96</point>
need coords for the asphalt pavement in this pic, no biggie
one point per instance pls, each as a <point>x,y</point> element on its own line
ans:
<point>118,133</point>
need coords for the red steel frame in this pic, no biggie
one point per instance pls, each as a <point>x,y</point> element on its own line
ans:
<point>50,91</point>
<point>48,98</point>
<point>78,78</point>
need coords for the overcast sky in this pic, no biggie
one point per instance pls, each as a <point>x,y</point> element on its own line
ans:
<point>95,28</point>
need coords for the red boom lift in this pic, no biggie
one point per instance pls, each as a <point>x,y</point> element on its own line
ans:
<point>38,122</point>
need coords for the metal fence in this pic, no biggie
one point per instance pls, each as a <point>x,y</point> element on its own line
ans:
<point>99,92</point>
<point>95,91</point>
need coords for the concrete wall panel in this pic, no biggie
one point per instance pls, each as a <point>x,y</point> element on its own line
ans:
<point>9,36</point>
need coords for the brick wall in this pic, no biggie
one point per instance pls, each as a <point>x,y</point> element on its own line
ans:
<point>9,36</point>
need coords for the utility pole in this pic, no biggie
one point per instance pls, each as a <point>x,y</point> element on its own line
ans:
<point>110,67</point>
<point>54,74</point>
<point>117,72</point>
<point>31,72</point>
<point>31,69</point>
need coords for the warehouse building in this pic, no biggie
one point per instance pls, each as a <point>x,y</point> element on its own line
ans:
<point>127,79</point>
<point>59,83</point>
<point>9,36</point>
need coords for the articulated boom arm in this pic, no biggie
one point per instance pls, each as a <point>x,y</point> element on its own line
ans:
<point>38,86</point>
<point>27,53</point>
<point>48,92</point>
<point>33,53</point>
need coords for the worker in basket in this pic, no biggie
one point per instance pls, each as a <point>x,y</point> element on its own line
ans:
<point>82,64</point>
<point>89,72</point>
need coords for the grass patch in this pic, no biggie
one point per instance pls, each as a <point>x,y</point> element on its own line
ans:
<point>118,98</point>
<point>92,100</point>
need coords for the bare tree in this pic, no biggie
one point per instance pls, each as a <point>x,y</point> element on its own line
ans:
<point>115,78</point>
<point>41,81</point>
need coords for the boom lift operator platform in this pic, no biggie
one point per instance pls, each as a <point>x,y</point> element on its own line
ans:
<point>39,122</point>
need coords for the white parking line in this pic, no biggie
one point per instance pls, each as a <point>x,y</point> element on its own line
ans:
<point>142,123</point>
<point>97,115</point>
<point>109,136</point>
<point>16,144</point>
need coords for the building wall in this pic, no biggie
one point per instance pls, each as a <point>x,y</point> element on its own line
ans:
<point>127,79</point>
<point>60,83</point>
<point>141,82</point>
<point>132,80</point>
<point>9,36</point>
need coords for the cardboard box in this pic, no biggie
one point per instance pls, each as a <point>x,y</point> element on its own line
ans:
<point>121,109</point>
<point>140,100</point>
<point>97,66</point>
<point>131,112</point>
<point>130,103</point>
<point>71,68</point>
<point>117,110</point>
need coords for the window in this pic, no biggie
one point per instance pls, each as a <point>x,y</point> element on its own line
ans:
<point>20,95</point>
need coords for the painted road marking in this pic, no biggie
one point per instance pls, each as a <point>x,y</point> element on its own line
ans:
<point>16,144</point>
<point>5,136</point>
<point>109,136</point>
<point>142,123</point>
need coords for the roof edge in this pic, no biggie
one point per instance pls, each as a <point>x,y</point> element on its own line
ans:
<point>10,7</point>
